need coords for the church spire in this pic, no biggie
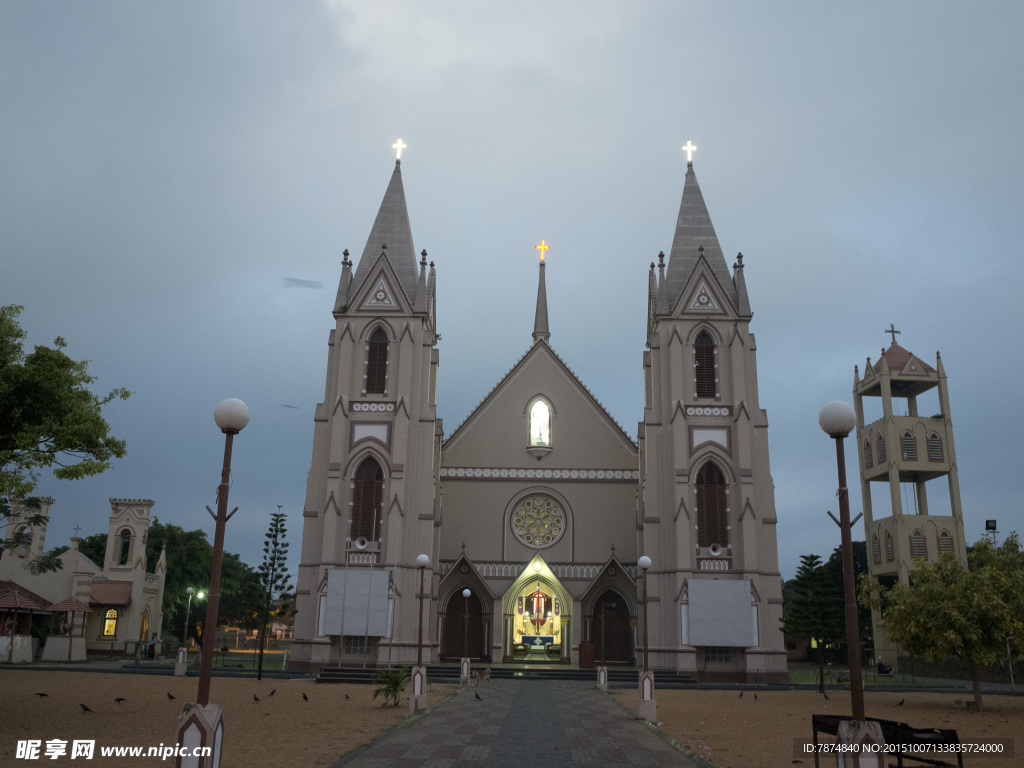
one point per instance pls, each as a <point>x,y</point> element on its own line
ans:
<point>693,230</point>
<point>391,227</point>
<point>540,322</point>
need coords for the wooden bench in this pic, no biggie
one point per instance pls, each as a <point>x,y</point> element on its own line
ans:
<point>895,733</point>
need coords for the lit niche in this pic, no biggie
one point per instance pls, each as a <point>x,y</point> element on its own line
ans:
<point>540,428</point>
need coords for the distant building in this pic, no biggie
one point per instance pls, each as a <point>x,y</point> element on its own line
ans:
<point>539,502</point>
<point>125,599</point>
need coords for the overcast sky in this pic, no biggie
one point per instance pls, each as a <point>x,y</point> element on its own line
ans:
<point>164,167</point>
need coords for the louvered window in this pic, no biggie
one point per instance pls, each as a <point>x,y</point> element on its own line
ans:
<point>377,363</point>
<point>881,449</point>
<point>876,549</point>
<point>934,447</point>
<point>917,545</point>
<point>909,446</point>
<point>867,455</point>
<point>704,359</point>
<point>945,542</point>
<point>367,501</point>
<point>889,554</point>
<point>711,512</point>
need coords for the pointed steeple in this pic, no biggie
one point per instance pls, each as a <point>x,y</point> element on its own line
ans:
<point>693,230</point>
<point>743,301</point>
<point>540,322</point>
<point>421,286</point>
<point>343,284</point>
<point>391,227</point>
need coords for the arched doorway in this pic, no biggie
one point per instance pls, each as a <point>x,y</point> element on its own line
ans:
<point>537,617</point>
<point>454,639</point>
<point>613,635</point>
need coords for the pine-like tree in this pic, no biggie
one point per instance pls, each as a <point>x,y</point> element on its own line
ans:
<point>273,573</point>
<point>813,609</point>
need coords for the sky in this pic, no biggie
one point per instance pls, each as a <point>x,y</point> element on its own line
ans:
<point>167,167</point>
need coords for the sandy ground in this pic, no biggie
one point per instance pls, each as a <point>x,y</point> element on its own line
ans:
<point>734,732</point>
<point>284,730</point>
<point>279,730</point>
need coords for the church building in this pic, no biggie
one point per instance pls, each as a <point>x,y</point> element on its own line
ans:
<point>539,503</point>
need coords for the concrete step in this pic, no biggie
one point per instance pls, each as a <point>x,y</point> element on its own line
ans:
<point>448,673</point>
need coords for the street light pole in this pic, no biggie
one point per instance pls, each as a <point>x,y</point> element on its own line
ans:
<point>231,415</point>
<point>838,419</point>
<point>418,700</point>
<point>465,626</point>
<point>188,613</point>
<point>645,563</point>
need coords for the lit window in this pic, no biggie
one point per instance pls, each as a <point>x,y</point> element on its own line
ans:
<point>540,424</point>
<point>110,623</point>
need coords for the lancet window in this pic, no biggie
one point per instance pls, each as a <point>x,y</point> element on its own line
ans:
<point>712,516</point>
<point>367,501</point>
<point>704,365</point>
<point>377,363</point>
<point>540,424</point>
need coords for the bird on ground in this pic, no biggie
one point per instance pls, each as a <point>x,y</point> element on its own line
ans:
<point>119,699</point>
<point>346,696</point>
<point>305,697</point>
<point>170,696</point>
<point>741,695</point>
<point>85,708</point>
<point>272,693</point>
<point>255,699</point>
<point>477,696</point>
<point>900,702</point>
<point>825,695</point>
<point>755,697</point>
<point>43,695</point>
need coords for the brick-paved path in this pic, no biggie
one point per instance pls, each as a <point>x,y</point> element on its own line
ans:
<point>535,723</point>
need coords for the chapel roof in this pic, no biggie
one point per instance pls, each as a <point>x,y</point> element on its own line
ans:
<point>897,357</point>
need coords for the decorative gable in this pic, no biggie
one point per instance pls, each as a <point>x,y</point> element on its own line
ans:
<point>381,297</point>
<point>703,300</point>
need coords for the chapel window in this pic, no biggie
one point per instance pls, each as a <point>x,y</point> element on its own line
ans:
<point>867,454</point>
<point>367,501</point>
<point>704,365</point>
<point>917,545</point>
<point>909,446</point>
<point>945,542</point>
<point>110,623</point>
<point>23,538</point>
<point>377,363</point>
<point>889,553</point>
<point>540,424</point>
<point>126,541</point>
<point>712,518</point>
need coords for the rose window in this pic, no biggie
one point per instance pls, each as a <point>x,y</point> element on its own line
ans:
<point>538,521</point>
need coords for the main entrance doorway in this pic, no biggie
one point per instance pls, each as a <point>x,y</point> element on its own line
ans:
<point>537,620</point>
<point>613,635</point>
<point>454,639</point>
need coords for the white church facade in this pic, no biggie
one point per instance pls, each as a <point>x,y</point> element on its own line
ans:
<point>539,503</point>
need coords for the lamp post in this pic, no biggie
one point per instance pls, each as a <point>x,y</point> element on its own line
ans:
<point>838,419</point>
<point>464,676</point>
<point>645,563</point>
<point>418,700</point>
<point>202,725</point>
<point>647,707</point>
<point>188,613</point>
<point>231,416</point>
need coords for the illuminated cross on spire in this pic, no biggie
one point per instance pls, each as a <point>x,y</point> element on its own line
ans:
<point>689,149</point>
<point>398,146</point>
<point>892,329</point>
<point>542,247</point>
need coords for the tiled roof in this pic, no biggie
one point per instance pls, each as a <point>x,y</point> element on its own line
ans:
<point>111,593</point>
<point>897,357</point>
<point>14,596</point>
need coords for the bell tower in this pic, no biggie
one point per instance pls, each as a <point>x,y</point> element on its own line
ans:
<point>706,511</point>
<point>905,451</point>
<point>371,506</point>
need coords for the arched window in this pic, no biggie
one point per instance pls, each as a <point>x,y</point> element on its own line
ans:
<point>918,549</point>
<point>889,554</point>
<point>704,364</point>
<point>367,501</point>
<point>377,363</point>
<point>126,542</point>
<point>934,447</point>
<point>881,449</point>
<point>876,549</point>
<point>23,539</point>
<point>712,517</point>
<point>867,454</point>
<point>945,542</point>
<point>909,446</point>
<point>540,424</point>
<point>110,623</point>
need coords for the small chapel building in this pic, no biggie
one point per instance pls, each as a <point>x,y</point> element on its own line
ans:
<point>539,503</point>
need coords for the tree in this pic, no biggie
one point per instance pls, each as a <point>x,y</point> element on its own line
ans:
<point>49,419</point>
<point>948,610</point>
<point>273,574</point>
<point>834,566</point>
<point>813,609</point>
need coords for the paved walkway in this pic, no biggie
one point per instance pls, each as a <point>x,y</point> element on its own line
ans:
<point>536,723</point>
